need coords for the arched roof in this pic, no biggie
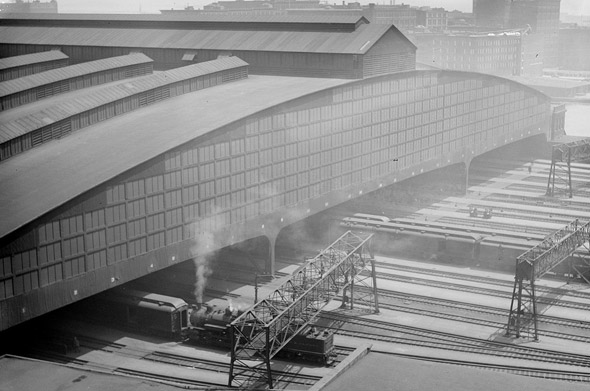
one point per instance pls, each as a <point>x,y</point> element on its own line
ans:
<point>92,156</point>
<point>46,177</point>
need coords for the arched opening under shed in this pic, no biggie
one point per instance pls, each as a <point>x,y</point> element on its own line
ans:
<point>511,156</point>
<point>212,275</point>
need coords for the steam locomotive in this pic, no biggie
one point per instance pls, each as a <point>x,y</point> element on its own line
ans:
<point>210,325</point>
<point>204,324</point>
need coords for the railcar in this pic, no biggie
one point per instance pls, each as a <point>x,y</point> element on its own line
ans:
<point>378,218</point>
<point>210,325</point>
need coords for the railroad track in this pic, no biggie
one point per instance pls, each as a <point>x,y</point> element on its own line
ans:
<point>281,378</point>
<point>415,336</point>
<point>481,223</point>
<point>480,290</point>
<point>479,321</point>
<point>577,186</point>
<point>505,213</point>
<point>549,374</point>
<point>341,353</point>
<point>481,279</point>
<point>480,309</point>
<point>571,205</point>
<point>210,365</point>
<point>166,379</point>
<point>507,210</point>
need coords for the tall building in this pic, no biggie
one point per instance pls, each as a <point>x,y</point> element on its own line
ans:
<point>29,7</point>
<point>573,50</point>
<point>541,17</point>
<point>491,13</point>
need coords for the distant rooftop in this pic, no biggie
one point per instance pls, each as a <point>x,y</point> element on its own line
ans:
<point>357,41</point>
<point>65,73</point>
<point>183,20</point>
<point>553,82</point>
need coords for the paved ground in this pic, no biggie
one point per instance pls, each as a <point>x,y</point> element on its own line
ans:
<point>383,372</point>
<point>27,375</point>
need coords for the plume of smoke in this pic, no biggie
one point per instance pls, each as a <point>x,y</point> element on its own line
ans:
<point>202,271</point>
<point>235,305</point>
<point>204,244</point>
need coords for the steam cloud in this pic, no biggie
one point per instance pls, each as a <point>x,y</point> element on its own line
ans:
<point>202,271</point>
<point>204,244</point>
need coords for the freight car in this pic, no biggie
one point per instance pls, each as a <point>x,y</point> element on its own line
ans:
<point>210,325</point>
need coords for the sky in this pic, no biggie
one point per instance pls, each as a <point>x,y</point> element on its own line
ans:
<point>575,7</point>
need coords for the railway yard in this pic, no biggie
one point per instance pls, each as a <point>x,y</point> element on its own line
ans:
<point>442,308</point>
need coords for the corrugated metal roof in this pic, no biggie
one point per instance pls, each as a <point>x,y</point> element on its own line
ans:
<point>33,58</point>
<point>190,17</point>
<point>10,129</point>
<point>14,86</point>
<point>358,41</point>
<point>46,177</point>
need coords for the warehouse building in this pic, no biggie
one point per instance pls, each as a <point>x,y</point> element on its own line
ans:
<point>346,47</point>
<point>28,64</point>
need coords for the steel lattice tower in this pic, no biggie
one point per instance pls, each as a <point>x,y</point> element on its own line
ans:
<point>531,266</point>
<point>264,329</point>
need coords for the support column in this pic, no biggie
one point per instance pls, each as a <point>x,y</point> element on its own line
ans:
<point>467,164</point>
<point>270,266</point>
<point>466,180</point>
<point>569,173</point>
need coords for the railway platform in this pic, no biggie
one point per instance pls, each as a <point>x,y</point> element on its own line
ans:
<point>482,333</point>
<point>429,354</point>
<point>29,374</point>
<point>378,371</point>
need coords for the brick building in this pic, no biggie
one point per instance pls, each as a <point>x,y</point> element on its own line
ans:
<point>497,54</point>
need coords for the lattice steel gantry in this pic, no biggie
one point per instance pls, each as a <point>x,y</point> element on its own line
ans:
<point>266,327</point>
<point>532,265</point>
<point>562,157</point>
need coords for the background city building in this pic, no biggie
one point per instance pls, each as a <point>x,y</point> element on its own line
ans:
<point>29,7</point>
<point>497,54</point>
<point>540,17</point>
